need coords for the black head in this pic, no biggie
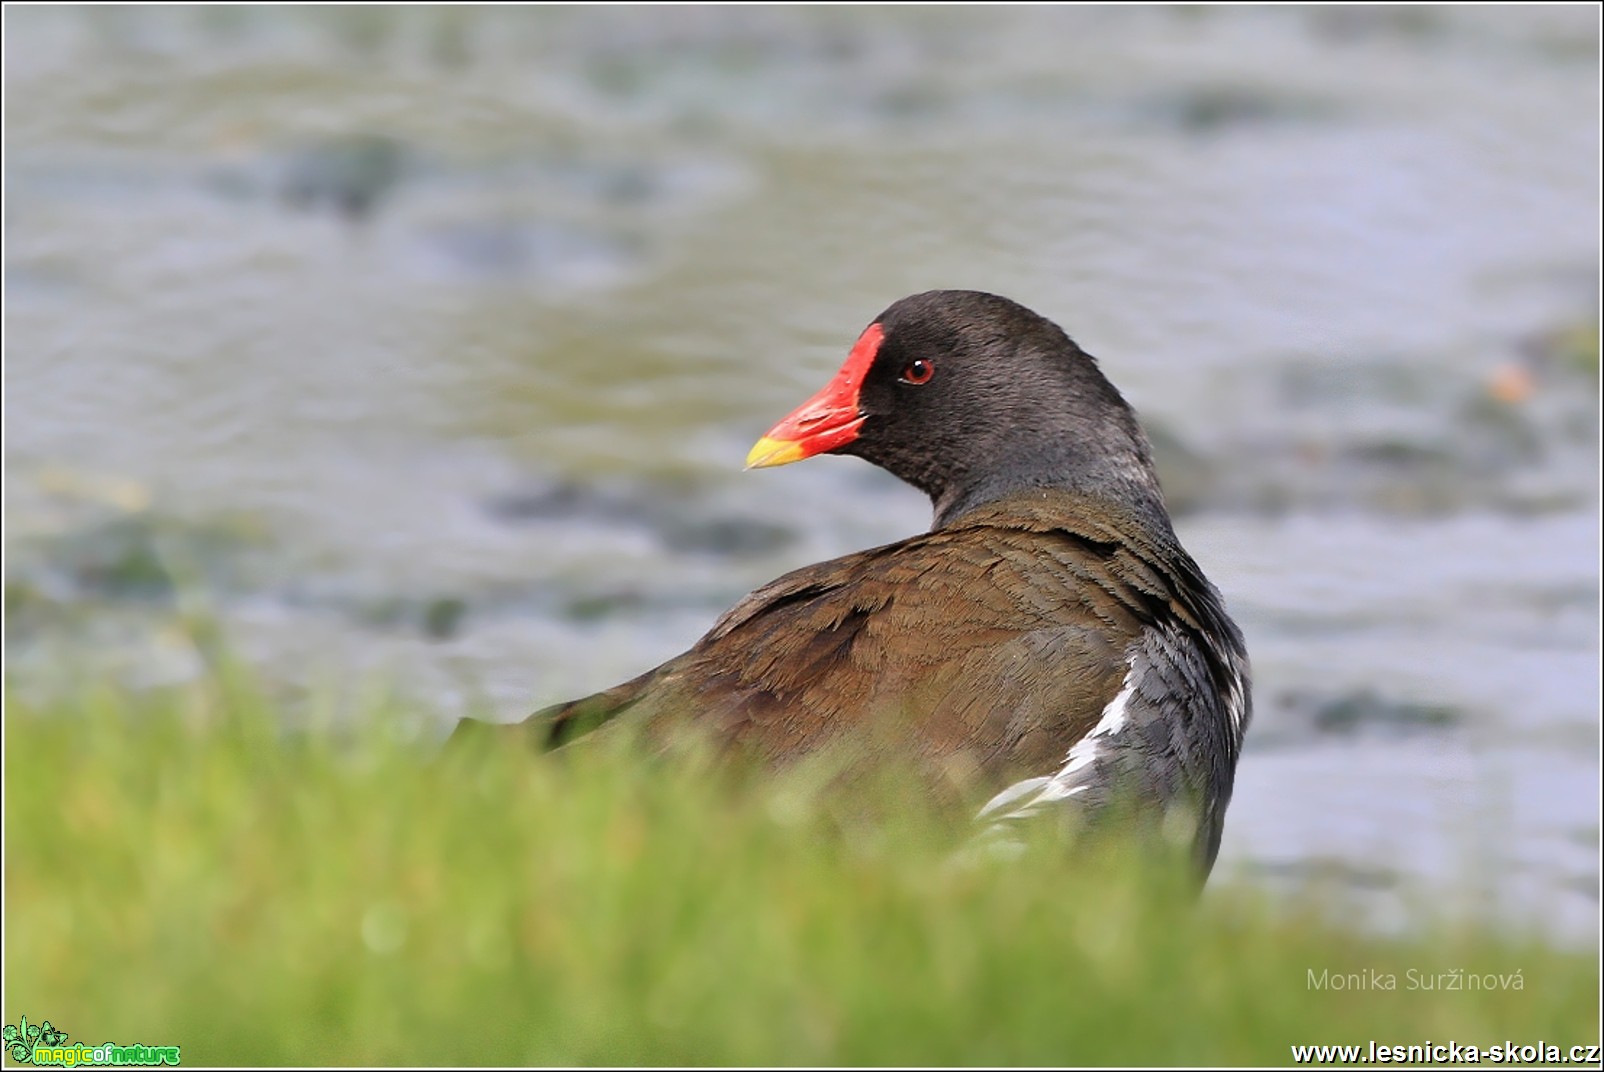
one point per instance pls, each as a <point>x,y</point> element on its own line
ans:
<point>971,397</point>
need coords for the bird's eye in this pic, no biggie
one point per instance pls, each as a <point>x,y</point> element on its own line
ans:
<point>918,371</point>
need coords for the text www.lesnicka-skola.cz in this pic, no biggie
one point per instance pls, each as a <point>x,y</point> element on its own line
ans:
<point>1428,1052</point>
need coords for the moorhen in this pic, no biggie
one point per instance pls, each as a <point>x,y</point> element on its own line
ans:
<point>1049,635</point>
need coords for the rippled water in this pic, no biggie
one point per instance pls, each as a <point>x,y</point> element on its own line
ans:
<point>426,345</point>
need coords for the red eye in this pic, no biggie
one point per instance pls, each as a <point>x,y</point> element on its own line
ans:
<point>918,371</point>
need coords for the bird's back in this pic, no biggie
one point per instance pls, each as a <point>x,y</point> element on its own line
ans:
<point>987,651</point>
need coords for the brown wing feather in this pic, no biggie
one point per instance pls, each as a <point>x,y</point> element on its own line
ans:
<point>996,642</point>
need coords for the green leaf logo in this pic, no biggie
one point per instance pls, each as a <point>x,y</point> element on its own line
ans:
<point>21,1038</point>
<point>16,1040</point>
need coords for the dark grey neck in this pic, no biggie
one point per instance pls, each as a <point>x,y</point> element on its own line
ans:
<point>1127,484</point>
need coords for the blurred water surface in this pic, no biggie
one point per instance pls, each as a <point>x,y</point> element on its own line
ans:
<point>425,345</point>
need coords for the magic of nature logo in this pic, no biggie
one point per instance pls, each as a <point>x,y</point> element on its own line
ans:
<point>42,1044</point>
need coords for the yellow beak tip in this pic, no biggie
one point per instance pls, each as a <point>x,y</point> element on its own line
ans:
<point>767,452</point>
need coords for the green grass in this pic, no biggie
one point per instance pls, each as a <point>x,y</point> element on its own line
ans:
<point>181,871</point>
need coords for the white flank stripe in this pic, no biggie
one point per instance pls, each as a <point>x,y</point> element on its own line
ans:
<point>1062,784</point>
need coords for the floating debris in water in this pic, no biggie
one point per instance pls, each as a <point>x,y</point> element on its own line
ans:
<point>351,176</point>
<point>1364,710</point>
<point>679,517</point>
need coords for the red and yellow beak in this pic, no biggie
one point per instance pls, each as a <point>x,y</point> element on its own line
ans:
<point>828,420</point>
